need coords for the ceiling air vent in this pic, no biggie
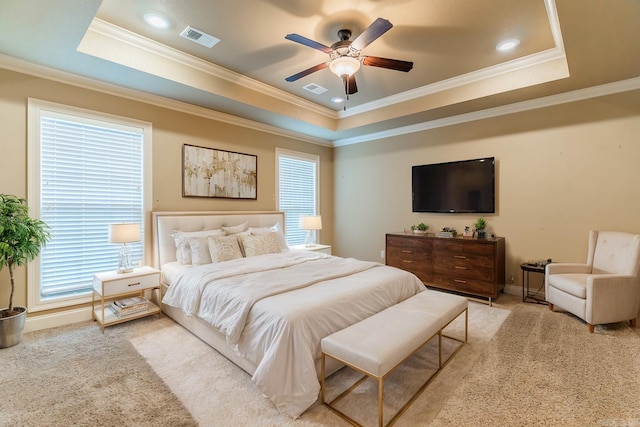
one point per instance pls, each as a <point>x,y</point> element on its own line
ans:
<point>317,89</point>
<point>199,37</point>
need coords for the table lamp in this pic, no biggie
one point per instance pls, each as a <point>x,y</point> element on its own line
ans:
<point>124,233</point>
<point>311,224</point>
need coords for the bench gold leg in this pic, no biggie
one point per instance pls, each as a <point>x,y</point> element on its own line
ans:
<point>380,391</point>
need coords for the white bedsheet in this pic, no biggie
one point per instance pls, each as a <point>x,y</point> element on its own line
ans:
<point>274,309</point>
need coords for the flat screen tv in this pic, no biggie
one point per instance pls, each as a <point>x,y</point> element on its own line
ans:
<point>466,186</point>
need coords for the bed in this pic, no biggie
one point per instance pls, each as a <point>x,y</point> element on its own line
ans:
<point>268,309</point>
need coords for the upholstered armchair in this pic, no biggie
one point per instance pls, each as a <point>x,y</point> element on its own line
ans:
<point>604,290</point>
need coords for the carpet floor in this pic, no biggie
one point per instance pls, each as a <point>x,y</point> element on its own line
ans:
<point>218,393</point>
<point>535,368</point>
<point>75,375</point>
<point>543,368</point>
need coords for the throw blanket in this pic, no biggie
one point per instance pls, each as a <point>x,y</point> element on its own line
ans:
<point>224,293</point>
<point>187,290</point>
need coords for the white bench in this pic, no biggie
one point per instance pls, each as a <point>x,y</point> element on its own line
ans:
<point>378,344</point>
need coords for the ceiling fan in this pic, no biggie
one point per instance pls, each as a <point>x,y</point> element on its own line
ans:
<point>345,55</point>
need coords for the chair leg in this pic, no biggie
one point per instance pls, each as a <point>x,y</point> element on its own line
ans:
<point>590,326</point>
<point>550,307</point>
<point>633,322</point>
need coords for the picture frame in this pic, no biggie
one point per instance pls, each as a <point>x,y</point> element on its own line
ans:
<point>214,173</point>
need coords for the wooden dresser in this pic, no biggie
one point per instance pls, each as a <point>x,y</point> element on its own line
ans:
<point>462,264</point>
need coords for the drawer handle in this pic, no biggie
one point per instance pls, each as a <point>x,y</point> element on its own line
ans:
<point>406,261</point>
<point>460,268</point>
<point>460,256</point>
<point>404,251</point>
<point>133,284</point>
<point>459,281</point>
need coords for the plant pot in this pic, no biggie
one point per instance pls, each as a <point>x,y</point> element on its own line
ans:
<point>419,231</point>
<point>11,327</point>
<point>482,234</point>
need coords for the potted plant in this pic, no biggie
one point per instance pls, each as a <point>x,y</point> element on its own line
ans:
<point>480,226</point>
<point>21,238</point>
<point>420,228</point>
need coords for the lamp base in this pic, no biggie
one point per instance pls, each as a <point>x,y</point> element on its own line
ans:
<point>309,239</point>
<point>125,262</point>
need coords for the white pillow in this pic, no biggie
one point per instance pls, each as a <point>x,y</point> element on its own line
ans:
<point>259,244</point>
<point>236,228</point>
<point>224,248</point>
<point>277,229</point>
<point>181,239</point>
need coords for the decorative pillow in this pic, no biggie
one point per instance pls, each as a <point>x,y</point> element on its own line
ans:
<point>224,248</point>
<point>260,244</point>
<point>181,239</point>
<point>277,229</point>
<point>236,228</point>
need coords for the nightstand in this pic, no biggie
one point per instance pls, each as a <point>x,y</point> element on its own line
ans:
<point>111,285</point>
<point>325,249</point>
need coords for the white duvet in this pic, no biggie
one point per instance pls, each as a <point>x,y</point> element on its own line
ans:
<point>274,310</point>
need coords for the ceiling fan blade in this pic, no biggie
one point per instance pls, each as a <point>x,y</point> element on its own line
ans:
<point>307,72</point>
<point>308,42</point>
<point>392,64</point>
<point>350,86</point>
<point>372,32</point>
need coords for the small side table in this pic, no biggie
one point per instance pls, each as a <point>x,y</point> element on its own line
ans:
<point>527,296</point>
<point>111,285</point>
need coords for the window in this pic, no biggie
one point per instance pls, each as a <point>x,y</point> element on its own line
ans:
<point>86,171</point>
<point>297,175</point>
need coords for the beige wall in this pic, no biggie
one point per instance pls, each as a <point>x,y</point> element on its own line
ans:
<point>171,129</point>
<point>561,171</point>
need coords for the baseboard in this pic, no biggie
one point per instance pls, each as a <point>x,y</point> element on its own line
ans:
<point>513,290</point>
<point>52,320</point>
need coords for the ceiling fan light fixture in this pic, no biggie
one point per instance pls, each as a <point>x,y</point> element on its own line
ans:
<point>344,66</point>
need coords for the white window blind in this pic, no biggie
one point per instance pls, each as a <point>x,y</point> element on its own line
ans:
<point>297,191</point>
<point>91,175</point>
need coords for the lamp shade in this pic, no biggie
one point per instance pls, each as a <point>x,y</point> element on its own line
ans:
<point>311,222</point>
<point>124,233</point>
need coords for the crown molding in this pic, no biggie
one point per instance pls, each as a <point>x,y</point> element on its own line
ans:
<point>21,66</point>
<point>547,101</point>
<point>549,55</point>
<point>121,35</point>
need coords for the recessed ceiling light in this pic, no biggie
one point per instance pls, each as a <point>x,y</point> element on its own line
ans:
<point>156,20</point>
<point>337,99</point>
<point>508,44</point>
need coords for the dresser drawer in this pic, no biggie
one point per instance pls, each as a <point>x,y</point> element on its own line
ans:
<point>107,284</point>
<point>407,252</point>
<point>463,271</point>
<point>463,246</point>
<point>467,286</point>
<point>408,242</point>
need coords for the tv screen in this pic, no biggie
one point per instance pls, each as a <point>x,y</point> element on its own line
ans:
<point>459,187</point>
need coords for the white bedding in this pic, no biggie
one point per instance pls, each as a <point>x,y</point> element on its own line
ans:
<point>274,309</point>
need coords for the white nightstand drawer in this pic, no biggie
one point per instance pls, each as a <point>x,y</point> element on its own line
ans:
<point>112,283</point>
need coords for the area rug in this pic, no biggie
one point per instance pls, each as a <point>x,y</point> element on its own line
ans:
<point>75,375</point>
<point>543,368</point>
<point>218,393</point>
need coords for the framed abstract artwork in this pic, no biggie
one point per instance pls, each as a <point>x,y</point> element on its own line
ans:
<point>208,172</point>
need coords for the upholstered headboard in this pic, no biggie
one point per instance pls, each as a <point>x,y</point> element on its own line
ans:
<point>165,223</point>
